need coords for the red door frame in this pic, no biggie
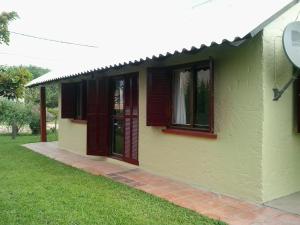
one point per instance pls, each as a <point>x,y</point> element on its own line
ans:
<point>128,78</point>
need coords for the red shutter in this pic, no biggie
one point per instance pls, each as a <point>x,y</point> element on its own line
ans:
<point>127,119</point>
<point>103,99</point>
<point>68,100</point>
<point>97,117</point>
<point>131,120</point>
<point>158,97</point>
<point>92,118</point>
<point>135,119</point>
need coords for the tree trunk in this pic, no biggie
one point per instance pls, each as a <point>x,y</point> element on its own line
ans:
<point>14,131</point>
<point>55,121</point>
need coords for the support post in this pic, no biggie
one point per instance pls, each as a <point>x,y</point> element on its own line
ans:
<point>43,114</point>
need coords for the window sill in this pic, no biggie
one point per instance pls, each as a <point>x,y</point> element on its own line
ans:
<point>190,133</point>
<point>78,121</point>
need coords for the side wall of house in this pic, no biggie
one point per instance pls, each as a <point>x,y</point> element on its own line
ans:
<point>231,164</point>
<point>71,136</point>
<point>281,143</point>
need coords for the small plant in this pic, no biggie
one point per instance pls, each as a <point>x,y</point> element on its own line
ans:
<point>35,122</point>
<point>54,113</point>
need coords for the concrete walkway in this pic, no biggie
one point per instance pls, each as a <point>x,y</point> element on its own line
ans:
<point>230,210</point>
<point>290,203</point>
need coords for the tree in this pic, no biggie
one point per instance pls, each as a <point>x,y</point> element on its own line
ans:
<point>14,114</point>
<point>54,112</point>
<point>32,95</point>
<point>5,18</point>
<point>36,71</point>
<point>12,81</point>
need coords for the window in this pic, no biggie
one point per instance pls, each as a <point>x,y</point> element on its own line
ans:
<point>192,98</point>
<point>181,97</point>
<point>73,100</point>
<point>80,100</point>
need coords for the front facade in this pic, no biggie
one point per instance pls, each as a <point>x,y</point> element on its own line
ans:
<point>206,118</point>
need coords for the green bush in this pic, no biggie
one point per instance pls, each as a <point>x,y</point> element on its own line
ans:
<point>14,114</point>
<point>35,122</point>
<point>54,113</point>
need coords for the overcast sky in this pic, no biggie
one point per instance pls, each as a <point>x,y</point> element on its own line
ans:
<point>122,30</point>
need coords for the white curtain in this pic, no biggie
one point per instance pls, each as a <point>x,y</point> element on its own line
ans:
<point>180,86</point>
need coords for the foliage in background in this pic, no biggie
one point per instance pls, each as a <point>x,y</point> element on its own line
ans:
<point>14,114</point>
<point>13,80</point>
<point>34,123</point>
<point>32,95</point>
<point>36,71</point>
<point>5,18</point>
<point>54,113</point>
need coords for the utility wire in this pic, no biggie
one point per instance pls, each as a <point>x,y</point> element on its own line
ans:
<point>53,40</point>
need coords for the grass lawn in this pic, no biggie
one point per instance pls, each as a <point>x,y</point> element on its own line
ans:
<point>35,190</point>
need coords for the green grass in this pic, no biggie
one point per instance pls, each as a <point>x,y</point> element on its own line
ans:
<point>35,190</point>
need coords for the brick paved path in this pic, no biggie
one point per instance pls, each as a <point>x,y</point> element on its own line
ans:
<point>227,209</point>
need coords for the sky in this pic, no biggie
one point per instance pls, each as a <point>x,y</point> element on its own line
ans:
<point>122,30</point>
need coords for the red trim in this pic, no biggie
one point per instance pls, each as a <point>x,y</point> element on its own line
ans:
<point>189,133</point>
<point>43,114</point>
<point>78,121</point>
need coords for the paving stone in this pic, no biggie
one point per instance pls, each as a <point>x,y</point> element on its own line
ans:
<point>216,206</point>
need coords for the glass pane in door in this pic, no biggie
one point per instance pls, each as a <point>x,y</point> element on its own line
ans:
<point>118,137</point>
<point>118,104</point>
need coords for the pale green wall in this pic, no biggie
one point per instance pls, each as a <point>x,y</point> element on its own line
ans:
<point>256,155</point>
<point>231,164</point>
<point>71,136</point>
<point>281,144</point>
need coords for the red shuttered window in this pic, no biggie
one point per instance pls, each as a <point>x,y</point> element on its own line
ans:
<point>80,103</point>
<point>68,100</point>
<point>73,100</point>
<point>181,97</point>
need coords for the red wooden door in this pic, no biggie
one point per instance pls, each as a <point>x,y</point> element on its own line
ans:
<point>124,118</point>
<point>97,117</point>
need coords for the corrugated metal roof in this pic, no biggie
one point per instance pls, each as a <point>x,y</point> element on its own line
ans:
<point>229,30</point>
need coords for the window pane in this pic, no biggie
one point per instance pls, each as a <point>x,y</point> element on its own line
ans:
<point>78,101</point>
<point>203,98</point>
<point>182,90</point>
<point>118,137</point>
<point>118,97</point>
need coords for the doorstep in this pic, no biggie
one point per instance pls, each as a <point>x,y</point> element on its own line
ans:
<point>221,207</point>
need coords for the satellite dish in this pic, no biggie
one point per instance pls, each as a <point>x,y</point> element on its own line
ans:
<point>291,42</point>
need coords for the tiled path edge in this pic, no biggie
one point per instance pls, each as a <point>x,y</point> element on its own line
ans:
<point>230,210</point>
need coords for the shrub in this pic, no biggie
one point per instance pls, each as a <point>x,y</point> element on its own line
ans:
<point>54,113</point>
<point>35,122</point>
<point>14,114</point>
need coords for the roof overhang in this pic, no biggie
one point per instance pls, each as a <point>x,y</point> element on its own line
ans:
<point>236,41</point>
